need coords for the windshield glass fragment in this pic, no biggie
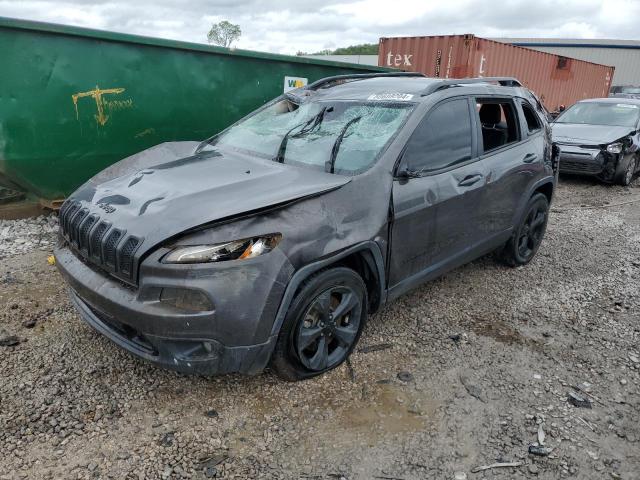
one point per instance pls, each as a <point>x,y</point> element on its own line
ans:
<point>593,113</point>
<point>306,134</point>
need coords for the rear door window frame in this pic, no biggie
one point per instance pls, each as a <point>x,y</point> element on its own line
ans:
<point>476,116</point>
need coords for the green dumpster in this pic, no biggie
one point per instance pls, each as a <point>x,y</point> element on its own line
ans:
<point>74,100</point>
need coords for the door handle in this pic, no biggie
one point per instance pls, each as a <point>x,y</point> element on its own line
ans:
<point>530,158</point>
<point>469,180</point>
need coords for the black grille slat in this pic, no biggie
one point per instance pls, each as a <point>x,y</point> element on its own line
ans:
<point>64,214</point>
<point>71,222</point>
<point>71,211</point>
<point>63,210</point>
<point>126,256</point>
<point>75,224</point>
<point>83,232</point>
<point>110,245</point>
<point>95,241</point>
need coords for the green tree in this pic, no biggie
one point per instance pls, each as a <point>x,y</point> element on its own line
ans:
<point>323,52</point>
<point>224,33</point>
<point>363,49</point>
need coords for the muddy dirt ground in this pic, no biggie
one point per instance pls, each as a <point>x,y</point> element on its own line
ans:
<point>466,371</point>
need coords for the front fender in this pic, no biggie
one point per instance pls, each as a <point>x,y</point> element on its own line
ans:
<point>305,272</point>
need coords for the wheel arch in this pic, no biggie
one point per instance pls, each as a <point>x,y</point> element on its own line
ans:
<point>546,189</point>
<point>365,258</point>
<point>546,186</point>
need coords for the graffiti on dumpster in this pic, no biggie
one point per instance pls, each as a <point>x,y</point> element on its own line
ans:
<point>103,104</point>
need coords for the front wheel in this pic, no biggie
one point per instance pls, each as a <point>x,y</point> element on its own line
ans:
<point>323,325</point>
<point>528,234</point>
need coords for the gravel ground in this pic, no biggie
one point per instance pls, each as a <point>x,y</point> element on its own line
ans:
<point>469,370</point>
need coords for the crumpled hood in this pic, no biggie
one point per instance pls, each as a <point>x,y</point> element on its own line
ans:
<point>171,195</point>
<point>579,134</point>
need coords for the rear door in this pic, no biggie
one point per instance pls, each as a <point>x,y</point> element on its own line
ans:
<point>512,159</point>
<point>438,210</point>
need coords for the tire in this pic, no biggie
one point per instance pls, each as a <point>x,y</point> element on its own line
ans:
<point>626,169</point>
<point>310,320</point>
<point>529,232</point>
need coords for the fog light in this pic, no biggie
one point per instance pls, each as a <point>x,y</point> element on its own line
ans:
<point>186,299</point>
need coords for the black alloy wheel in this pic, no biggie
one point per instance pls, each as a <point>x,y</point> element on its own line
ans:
<point>322,326</point>
<point>532,230</point>
<point>528,235</point>
<point>329,328</point>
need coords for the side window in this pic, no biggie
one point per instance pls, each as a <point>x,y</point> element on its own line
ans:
<point>499,122</point>
<point>533,122</point>
<point>442,139</point>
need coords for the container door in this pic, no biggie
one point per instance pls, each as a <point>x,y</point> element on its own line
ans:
<point>438,194</point>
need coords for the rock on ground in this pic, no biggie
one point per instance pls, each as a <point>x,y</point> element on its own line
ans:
<point>486,356</point>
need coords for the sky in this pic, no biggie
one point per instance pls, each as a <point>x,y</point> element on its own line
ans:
<point>287,27</point>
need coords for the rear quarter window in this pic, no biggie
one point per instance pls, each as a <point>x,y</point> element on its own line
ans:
<point>531,118</point>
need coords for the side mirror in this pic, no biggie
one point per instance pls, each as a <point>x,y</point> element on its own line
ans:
<point>404,173</point>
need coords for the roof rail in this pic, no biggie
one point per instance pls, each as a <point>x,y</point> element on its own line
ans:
<point>452,82</point>
<point>324,82</point>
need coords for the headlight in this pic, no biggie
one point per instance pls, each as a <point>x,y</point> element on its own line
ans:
<point>236,250</point>
<point>614,147</point>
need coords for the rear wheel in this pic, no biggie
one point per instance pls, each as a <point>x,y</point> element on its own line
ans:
<point>528,235</point>
<point>626,170</point>
<point>323,325</point>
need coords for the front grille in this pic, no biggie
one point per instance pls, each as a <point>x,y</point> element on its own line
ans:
<point>98,241</point>
<point>577,160</point>
<point>580,166</point>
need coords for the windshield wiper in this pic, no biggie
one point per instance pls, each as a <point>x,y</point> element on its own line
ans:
<point>305,127</point>
<point>330,164</point>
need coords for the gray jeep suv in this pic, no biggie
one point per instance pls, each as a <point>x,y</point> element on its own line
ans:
<point>270,243</point>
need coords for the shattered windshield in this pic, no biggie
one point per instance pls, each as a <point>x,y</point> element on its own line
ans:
<point>593,113</point>
<point>352,134</point>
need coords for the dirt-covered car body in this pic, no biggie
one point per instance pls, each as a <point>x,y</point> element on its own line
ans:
<point>395,226</point>
<point>608,151</point>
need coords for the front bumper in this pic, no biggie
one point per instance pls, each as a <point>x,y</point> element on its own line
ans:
<point>192,356</point>
<point>579,160</point>
<point>234,337</point>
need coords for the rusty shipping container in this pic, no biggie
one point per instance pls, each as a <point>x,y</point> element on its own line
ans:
<point>556,80</point>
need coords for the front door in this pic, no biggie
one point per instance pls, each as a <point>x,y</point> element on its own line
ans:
<point>437,195</point>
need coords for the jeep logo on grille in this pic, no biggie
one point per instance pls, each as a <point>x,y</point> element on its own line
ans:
<point>107,208</point>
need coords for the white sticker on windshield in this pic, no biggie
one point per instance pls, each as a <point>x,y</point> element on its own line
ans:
<point>625,105</point>
<point>403,97</point>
